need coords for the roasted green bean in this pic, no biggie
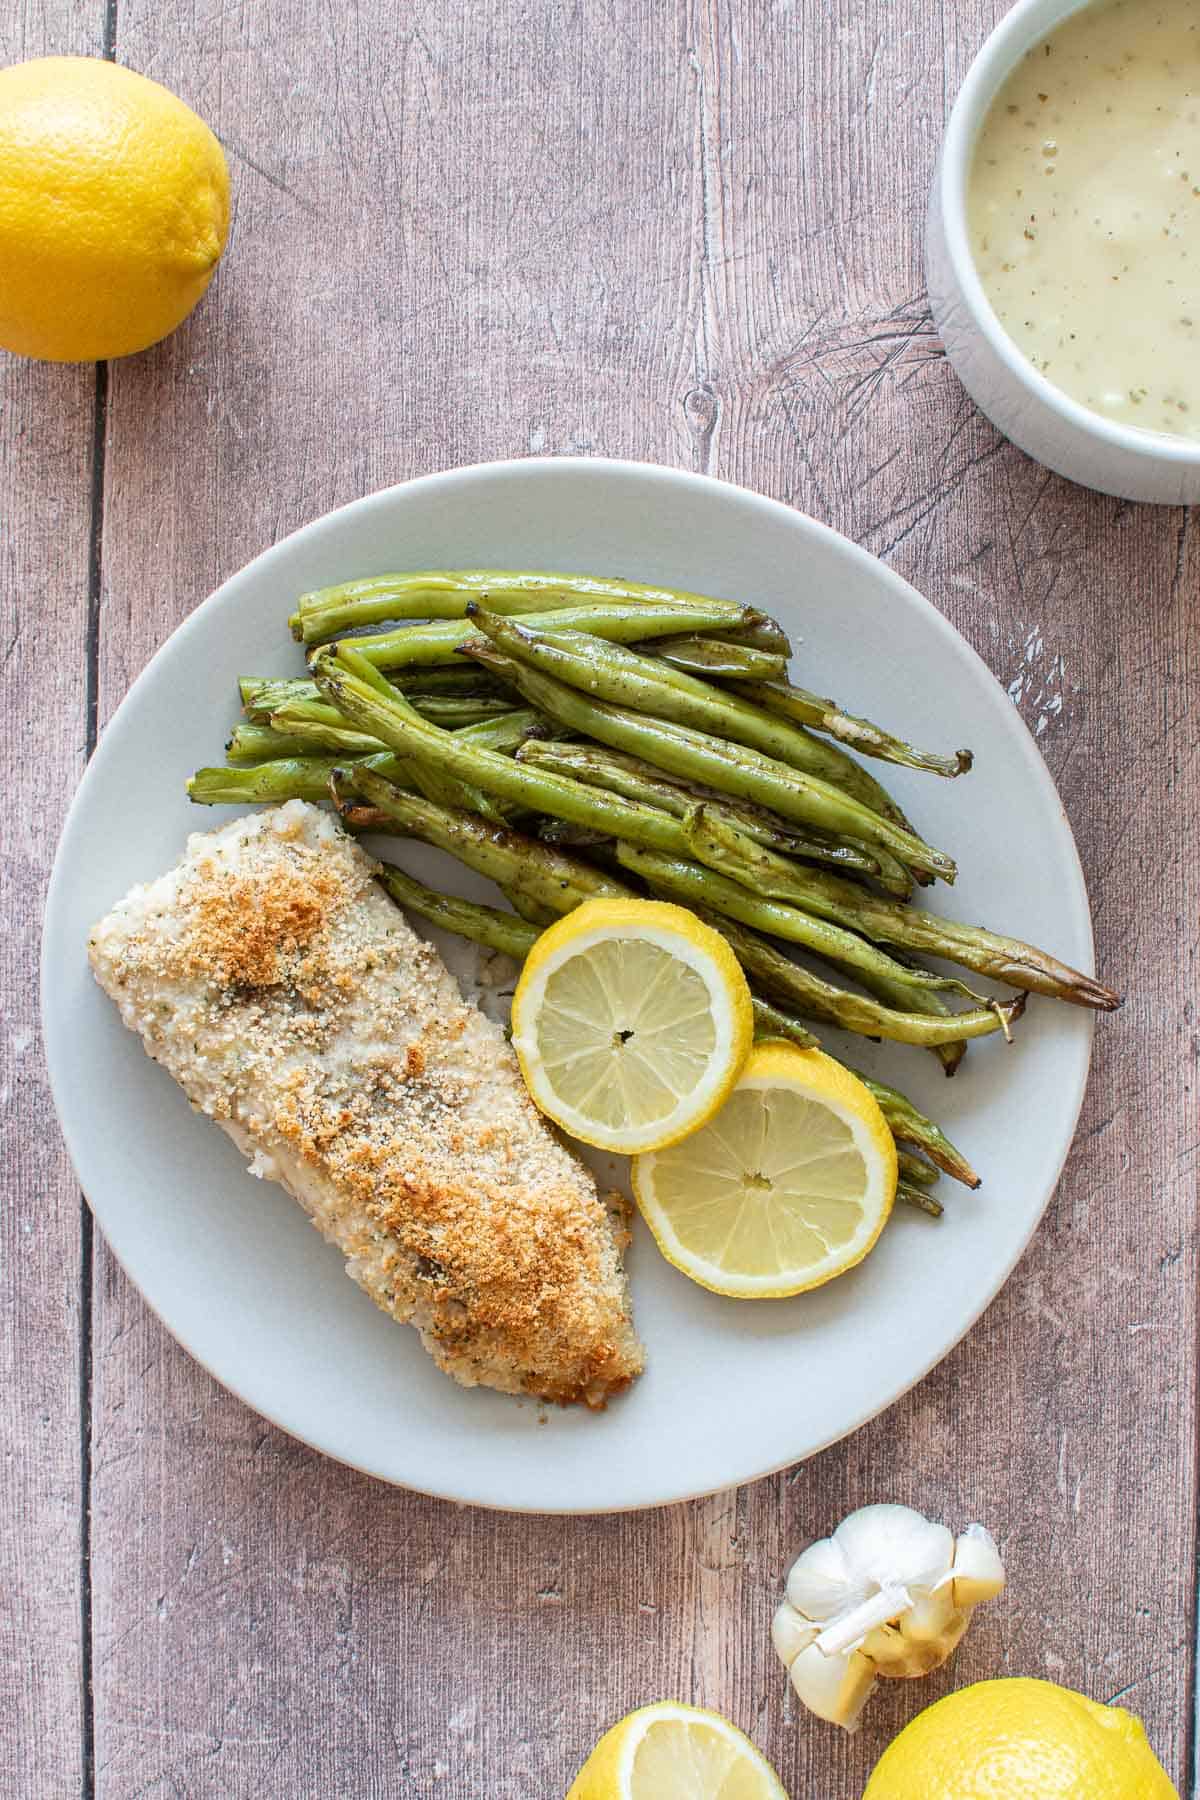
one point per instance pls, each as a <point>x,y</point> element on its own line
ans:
<point>732,769</point>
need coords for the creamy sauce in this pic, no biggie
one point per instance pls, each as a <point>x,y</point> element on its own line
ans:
<point>1084,210</point>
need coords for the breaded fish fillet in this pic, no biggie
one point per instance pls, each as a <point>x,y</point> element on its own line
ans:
<point>287,995</point>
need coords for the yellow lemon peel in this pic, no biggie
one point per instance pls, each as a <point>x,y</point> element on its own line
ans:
<point>114,209</point>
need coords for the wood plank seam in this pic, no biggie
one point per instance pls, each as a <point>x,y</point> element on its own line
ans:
<point>86,1225</point>
<point>87,1705</point>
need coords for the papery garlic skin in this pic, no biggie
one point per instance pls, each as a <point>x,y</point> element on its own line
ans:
<point>890,1593</point>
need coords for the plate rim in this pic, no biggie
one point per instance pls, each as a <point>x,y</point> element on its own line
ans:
<point>565,468</point>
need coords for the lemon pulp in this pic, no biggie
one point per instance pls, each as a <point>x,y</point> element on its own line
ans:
<point>625,1031</point>
<point>630,1021</point>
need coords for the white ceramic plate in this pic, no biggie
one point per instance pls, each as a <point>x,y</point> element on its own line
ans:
<point>732,1389</point>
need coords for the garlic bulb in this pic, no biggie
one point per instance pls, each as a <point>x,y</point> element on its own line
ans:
<point>890,1593</point>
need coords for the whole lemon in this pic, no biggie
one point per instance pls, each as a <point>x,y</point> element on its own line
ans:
<point>114,209</point>
<point>1020,1740</point>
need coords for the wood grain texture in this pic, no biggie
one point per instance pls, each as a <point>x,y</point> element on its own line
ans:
<point>688,234</point>
<point>47,426</point>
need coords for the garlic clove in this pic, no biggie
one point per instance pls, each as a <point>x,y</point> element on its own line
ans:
<point>930,1617</point>
<point>791,1634</point>
<point>978,1573</point>
<point>819,1579</point>
<point>834,1687</point>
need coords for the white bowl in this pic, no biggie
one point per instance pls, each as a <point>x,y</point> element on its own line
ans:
<point>1040,418</point>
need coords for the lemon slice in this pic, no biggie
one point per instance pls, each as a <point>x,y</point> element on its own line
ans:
<point>631,1021</point>
<point>673,1752</point>
<point>789,1185</point>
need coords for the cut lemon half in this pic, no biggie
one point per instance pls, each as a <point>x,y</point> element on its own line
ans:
<point>674,1752</point>
<point>631,1021</point>
<point>787,1186</point>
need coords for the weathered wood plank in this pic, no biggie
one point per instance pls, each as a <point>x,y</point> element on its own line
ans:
<point>46,449</point>
<point>1081,607</point>
<point>470,235</point>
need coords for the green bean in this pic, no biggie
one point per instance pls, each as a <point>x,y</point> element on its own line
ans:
<point>910,1195</point>
<point>826,715</point>
<point>771,1022</point>
<point>286,778</point>
<point>264,743</point>
<point>531,912</point>
<point>412,646</point>
<point>425,747</point>
<point>432,692</point>
<point>815,998</point>
<point>452,711</point>
<point>437,784</point>
<point>908,1125</point>
<point>712,656</point>
<point>894,876</point>
<point>516,863</point>
<point>717,843</point>
<point>301,714</point>
<point>638,780</point>
<point>505,733</point>
<point>363,818</point>
<point>327,613</point>
<point>499,726</point>
<point>487,926</point>
<point>261,695</point>
<point>732,769</point>
<point>622,677</point>
<point>574,837</point>
<point>458,679</point>
<point>446,593</point>
<point>300,701</point>
<point>915,1170</point>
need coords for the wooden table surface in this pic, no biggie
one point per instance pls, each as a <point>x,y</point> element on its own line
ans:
<point>687,233</point>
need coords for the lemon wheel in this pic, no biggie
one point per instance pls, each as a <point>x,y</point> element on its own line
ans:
<point>788,1185</point>
<point>631,1021</point>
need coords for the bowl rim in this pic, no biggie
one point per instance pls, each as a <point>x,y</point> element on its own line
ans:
<point>991,67</point>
